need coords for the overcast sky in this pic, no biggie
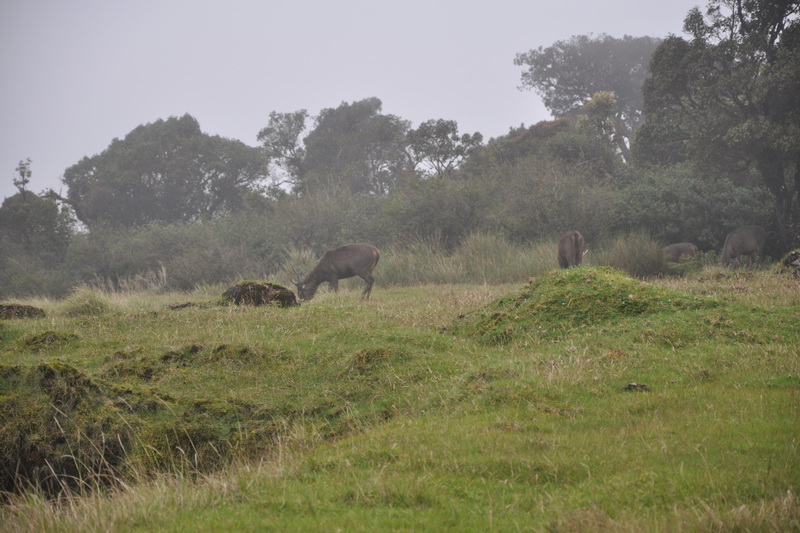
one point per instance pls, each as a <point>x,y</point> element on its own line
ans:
<point>76,74</point>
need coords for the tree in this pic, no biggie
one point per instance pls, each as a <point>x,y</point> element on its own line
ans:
<point>166,171</point>
<point>32,225</point>
<point>729,99</point>
<point>356,148</point>
<point>560,141</point>
<point>24,171</point>
<point>437,147</point>
<point>568,74</point>
<point>281,142</point>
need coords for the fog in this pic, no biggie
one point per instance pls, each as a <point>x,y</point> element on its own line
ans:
<point>78,74</point>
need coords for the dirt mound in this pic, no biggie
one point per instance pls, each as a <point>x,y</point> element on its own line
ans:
<point>10,311</point>
<point>562,300</point>
<point>256,293</point>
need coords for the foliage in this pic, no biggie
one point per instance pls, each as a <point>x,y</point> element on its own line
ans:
<point>34,225</point>
<point>24,171</point>
<point>442,209</point>
<point>635,253</point>
<point>728,98</point>
<point>537,199</point>
<point>543,143</point>
<point>281,142</point>
<point>684,203</point>
<point>354,148</point>
<point>568,75</point>
<point>437,146</point>
<point>35,234</point>
<point>167,171</point>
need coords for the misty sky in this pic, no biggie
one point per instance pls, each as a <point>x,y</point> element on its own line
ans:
<point>78,73</point>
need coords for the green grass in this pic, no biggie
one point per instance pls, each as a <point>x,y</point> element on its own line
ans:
<point>434,407</point>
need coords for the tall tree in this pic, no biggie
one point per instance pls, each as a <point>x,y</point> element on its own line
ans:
<point>166,171</point>
<point>281,143</point>
<point>24,172</point>
<point>354,148</point>
<point>32,225</point>
<point>437,148</point>
<point>568,74</point>
<point>730,97</point>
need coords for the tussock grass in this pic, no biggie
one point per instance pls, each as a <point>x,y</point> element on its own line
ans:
<point>636,253</point>
<point>85,301</point>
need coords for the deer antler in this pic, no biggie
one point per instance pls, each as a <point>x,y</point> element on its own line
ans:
<point>299,277</point>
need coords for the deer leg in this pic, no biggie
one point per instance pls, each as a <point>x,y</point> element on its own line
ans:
<point>368,289</point>
<point>334,283</point>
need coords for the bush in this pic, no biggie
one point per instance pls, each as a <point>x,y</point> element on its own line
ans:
<point>678,204</point>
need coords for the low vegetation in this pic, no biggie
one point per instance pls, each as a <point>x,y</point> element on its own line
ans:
<point>438,407</point>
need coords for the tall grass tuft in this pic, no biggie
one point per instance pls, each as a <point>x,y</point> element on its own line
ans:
<point>297,259</point>
<point>636,253</point>
<point>85,301</point>
<point>482,258</point>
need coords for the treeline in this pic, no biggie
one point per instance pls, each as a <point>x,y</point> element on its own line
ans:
<point>684,139</point>
<point>528,186</point>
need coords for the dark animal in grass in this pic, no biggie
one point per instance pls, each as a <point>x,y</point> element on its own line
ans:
<point>679,252</point>
<point>571,249</point>
<point>350,260</point>
<point>745,240</point>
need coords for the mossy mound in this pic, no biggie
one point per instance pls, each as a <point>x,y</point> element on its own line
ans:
<point>790,264</point>
<point>561,300</point>
<point>11,311</point>
<point>57,429</point>
<point>62,428</point>
<point>48,339</point>
<point>257,293</point>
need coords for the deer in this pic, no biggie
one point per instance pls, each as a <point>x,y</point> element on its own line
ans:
<point>350,260</point>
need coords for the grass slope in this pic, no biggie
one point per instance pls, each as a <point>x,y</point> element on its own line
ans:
<point>438,408</point>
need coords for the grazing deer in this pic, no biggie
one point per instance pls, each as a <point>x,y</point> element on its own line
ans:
<point>355,259</point>
<point>746,240</point>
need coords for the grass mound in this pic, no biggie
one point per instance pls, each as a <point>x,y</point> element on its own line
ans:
<point>86,302</point>
<point>11,311</point>
<point>561,300</point>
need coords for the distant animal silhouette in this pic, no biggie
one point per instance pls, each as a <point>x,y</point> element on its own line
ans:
<point>678,252</point>
<point>745,240</point>
<point>571,249</point>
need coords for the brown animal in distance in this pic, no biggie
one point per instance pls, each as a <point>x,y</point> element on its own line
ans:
<point>745,240</point>
<point>571,249</point>
<point>350,260</point>
<point>678,252</point>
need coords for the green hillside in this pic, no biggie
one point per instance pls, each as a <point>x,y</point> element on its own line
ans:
<point>436,407</point>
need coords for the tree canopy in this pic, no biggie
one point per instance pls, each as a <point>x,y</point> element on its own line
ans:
<point>729,98</point>
<point>569,73</point>
<point>358,149</point>
<point>166,171</point>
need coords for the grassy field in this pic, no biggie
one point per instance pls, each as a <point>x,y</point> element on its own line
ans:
<point>581,401</point>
